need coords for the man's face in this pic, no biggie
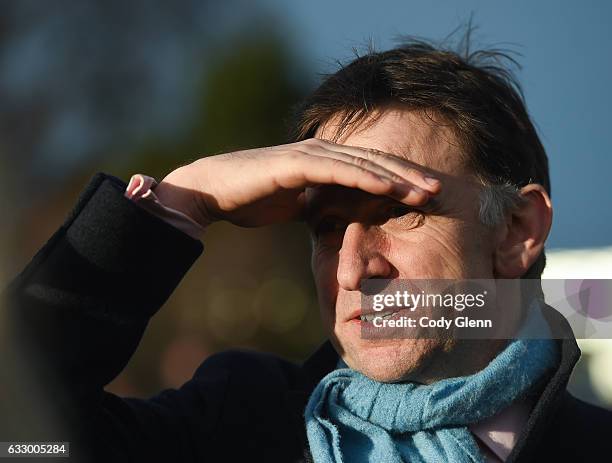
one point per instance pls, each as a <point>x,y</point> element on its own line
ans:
<point>359,236</point>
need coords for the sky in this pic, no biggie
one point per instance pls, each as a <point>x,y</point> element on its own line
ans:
<point>566,58</point>
<point>565,52</point>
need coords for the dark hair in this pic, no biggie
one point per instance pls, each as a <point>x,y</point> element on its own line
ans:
<point>476,93</point>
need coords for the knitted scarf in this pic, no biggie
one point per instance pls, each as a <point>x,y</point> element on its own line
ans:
<point>352,418</point>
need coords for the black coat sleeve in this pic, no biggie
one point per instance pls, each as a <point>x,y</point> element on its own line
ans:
<point>80,308</point>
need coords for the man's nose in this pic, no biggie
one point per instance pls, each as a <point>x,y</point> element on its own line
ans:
<point>362,256</point>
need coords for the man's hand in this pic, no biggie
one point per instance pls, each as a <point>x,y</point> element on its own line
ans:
<point>262,186</point>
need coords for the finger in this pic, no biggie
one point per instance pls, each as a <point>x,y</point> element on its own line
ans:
<point>359,161</point>
<point>403,187</point>
<point>406,169</point>
<point>307,170</point>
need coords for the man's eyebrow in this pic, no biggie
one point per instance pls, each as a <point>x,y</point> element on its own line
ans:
<point>432,206</point>
<point>323,202</point>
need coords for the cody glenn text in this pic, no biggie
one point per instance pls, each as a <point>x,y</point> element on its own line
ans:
<point>426,322</point>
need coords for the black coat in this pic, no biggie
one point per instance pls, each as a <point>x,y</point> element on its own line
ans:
<point>85,308</point>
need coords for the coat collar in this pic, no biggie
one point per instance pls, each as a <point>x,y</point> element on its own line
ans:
<point>319,364</point>
<point>554,389</point>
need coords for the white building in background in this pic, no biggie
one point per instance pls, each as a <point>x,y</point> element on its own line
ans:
<point>593,263</point>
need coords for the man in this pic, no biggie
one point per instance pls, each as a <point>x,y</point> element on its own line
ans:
<point>411,163</point>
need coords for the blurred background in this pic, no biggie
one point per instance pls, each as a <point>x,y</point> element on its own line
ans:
<point>145,86</point>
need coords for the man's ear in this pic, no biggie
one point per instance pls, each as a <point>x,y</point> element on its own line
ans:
<point>521,239</point>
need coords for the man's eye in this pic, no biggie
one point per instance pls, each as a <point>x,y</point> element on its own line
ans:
<point>405,216</point>
<point>400,210</point>
<point>329,225</point>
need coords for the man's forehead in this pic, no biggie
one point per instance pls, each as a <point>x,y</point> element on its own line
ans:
<point>406,134</point>
<point>412,136</point>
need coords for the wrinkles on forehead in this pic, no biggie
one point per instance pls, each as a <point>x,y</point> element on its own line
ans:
<point>423,138</point>
<point>413,136</point>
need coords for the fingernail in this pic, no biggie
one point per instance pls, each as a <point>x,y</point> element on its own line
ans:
<point>431,180</point>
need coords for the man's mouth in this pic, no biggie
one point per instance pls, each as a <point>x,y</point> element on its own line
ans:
<point>384,314</point>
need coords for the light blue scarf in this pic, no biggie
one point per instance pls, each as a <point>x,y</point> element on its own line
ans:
<point>351,418</point>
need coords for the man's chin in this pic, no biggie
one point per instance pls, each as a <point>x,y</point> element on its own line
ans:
<point>393,360</point>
